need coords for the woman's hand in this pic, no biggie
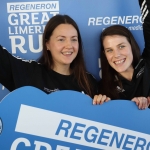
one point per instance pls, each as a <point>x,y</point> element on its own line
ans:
<point>141,102</point>
<point>148,98</point>
<point>100,99</point>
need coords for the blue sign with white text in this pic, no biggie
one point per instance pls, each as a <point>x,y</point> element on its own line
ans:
<point>67,120</point>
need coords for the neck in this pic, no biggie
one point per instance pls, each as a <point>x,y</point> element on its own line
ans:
<point>64,69</point>
<point>128,74</point>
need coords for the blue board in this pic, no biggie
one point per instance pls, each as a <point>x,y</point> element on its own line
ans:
<point>67,120</point>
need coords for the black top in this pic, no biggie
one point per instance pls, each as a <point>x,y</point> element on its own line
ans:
<point>16,72</point>
<point>140,83</point>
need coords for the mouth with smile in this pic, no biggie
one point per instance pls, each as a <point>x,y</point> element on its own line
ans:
<point>119,61</point>
<point>67,53</point>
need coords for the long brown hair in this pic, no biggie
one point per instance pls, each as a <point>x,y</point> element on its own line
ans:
<point>77,66</point>
<point>109,82</point>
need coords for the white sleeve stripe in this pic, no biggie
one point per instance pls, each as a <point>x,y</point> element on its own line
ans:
<point>144,10</point>
<point>145,14</point>
<point>143,4</point>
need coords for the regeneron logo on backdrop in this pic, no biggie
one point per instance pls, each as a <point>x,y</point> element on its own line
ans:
<point>27,22</point>
<point>97,21</point>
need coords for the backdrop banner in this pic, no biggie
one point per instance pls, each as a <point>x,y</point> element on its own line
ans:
<point>67,120</point>
<point>22,23</point>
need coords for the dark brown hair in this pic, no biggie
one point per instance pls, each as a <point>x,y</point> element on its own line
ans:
<point>77,66</point>
<point>109,81</point>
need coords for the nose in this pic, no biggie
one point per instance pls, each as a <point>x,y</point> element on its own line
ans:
<point>68,44</point>
<point>116,53</point>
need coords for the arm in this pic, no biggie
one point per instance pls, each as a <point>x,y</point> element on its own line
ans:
<point>5,68</point>
<point>145,12</point>
<point>14,71</point>
<point>143,102</point>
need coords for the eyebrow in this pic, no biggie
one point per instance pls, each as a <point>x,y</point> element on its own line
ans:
<point>65,36</point>
<point>121,43</point>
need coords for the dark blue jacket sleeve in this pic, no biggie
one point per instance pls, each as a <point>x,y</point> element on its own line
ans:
<point>14,71</point>
<point>145,12</point>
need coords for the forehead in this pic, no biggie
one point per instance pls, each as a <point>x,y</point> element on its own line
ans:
<point>114,40</point>
<point>65,30</point>
<point>115,37</point>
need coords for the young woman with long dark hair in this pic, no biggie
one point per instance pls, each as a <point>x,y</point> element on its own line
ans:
<point>125,72</point>
<point>61,66</point>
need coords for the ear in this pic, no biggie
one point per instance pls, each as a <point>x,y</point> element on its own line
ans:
<point>104,52</point>
<point>47,45</point>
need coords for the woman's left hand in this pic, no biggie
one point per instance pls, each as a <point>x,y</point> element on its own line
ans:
<point>148,99</point>
<point>141,102</point>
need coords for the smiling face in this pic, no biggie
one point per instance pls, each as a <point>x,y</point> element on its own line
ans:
<point>119,54</point>
<point>63,45</point>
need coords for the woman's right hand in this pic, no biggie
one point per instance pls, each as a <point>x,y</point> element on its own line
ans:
<point>100,99</point>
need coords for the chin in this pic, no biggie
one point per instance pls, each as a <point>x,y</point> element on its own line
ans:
<point>67,63</point>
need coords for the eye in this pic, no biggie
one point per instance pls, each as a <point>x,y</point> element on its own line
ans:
<point>74,39</point>
<point>121,46</point>
<point>108,51</point>
<point>61,39</point>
